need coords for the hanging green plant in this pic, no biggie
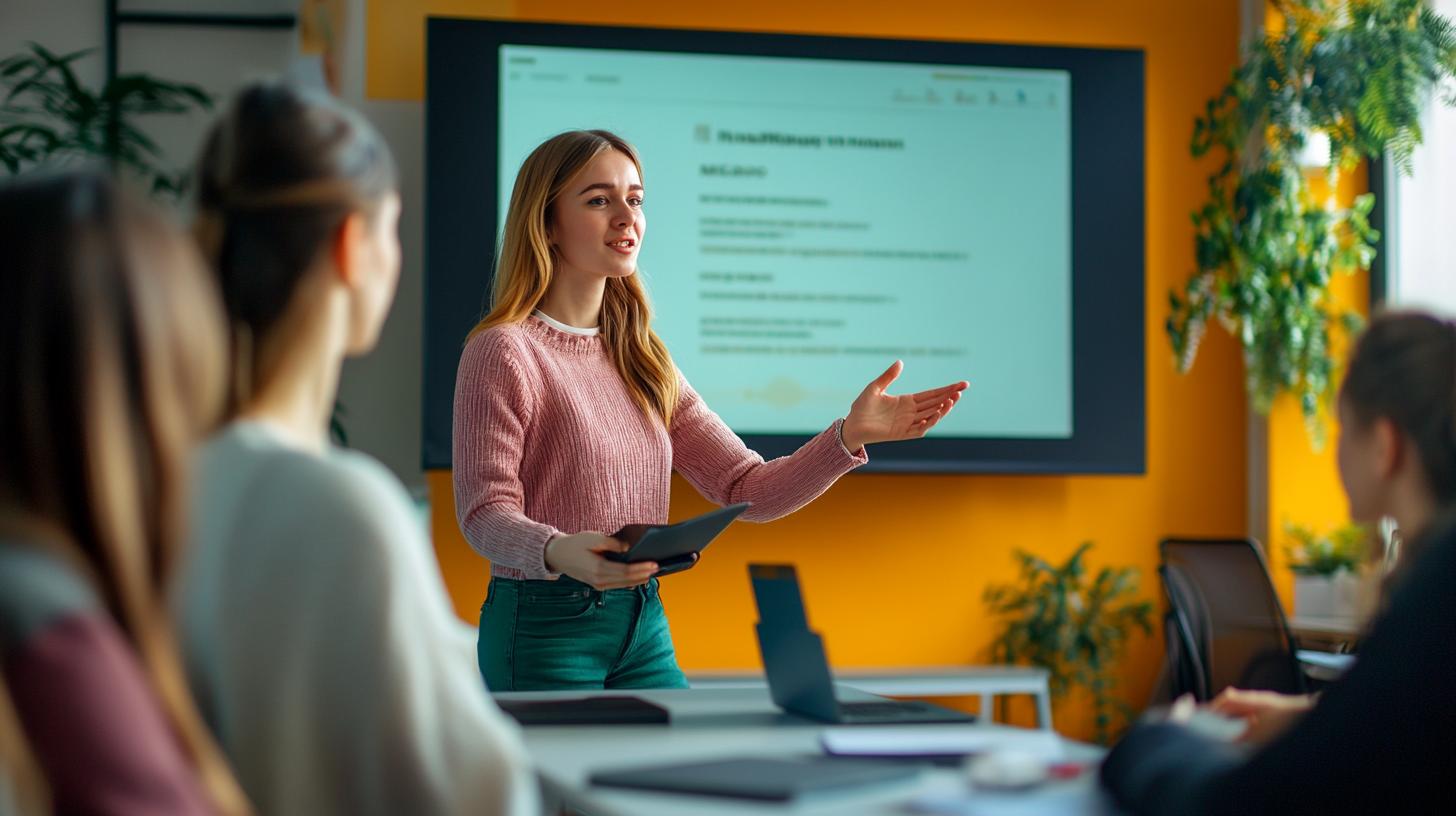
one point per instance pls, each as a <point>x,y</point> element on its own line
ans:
<point>1266,248</point>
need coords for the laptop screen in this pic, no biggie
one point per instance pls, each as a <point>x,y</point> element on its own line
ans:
<point>776,590</point>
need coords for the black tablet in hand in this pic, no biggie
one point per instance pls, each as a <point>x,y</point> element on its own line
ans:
<point>674,547</point>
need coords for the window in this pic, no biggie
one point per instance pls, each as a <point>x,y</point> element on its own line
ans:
<point>1421,210</point>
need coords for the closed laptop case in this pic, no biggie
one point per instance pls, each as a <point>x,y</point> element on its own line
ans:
<point>608,710</point>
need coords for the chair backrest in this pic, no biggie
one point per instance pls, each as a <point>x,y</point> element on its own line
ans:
<point>1184,671</point>
<point>1229,625</point>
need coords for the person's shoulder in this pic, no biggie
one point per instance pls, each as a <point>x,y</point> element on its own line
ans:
<point>344,485</point>
<point>502,338</point>
<point>37,587</point>
<point>360,477</point>
<point>506,355</point>
<point>505,346</point>
<point>1431,566</point>
<point>244,448</point>
<point>247,466</point>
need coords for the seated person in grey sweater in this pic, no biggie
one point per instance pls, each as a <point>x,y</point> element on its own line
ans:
<point>318,636</point>
<point>1382,739</point>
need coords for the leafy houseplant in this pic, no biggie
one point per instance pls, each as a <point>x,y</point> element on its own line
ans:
<point>1076,628</point>
<point>1266,250</point>
<point>48,117</point>
<point>1344,549</point>
<point>1328,577</point>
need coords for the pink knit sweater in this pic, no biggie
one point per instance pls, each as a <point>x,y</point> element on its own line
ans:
<point>548,442</point>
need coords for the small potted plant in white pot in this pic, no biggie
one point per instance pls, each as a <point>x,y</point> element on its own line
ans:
<point>1329,570</point>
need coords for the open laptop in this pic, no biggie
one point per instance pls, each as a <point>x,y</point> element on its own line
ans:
<point>798,669</point>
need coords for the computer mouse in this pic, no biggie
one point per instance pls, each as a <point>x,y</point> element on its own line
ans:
<point>1006,770</point>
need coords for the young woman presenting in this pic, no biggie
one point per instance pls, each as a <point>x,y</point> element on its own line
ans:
<point>570,418</point>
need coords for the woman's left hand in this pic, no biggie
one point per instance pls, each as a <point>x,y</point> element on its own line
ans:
<point>879,417</point>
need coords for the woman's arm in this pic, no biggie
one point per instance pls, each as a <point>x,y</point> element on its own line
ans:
<point>494,404</point>
<point>724,470</point>
<point>716,462</point>
<point>1268,714</point>
<point>95,725</point>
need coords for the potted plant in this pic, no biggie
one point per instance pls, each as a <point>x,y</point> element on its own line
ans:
<point>1355,72</point>
<point>1073,625</point>
<point>1329,576</point>
<point>48,117</point>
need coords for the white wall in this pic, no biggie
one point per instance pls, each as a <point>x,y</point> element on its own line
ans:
<point>381,393</point>
<point>61,26</point>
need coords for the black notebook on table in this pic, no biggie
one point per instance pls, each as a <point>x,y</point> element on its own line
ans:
<point>611,710</point>
<point>775,780</point>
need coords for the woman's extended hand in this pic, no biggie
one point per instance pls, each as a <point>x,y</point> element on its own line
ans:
<point>1268,713</point>
<point>879,417</point>
<point>580,556</point>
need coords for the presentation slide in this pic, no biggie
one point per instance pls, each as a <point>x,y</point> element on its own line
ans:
<point>810,221</point>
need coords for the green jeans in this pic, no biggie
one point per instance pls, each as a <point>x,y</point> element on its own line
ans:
<point>540,635</point>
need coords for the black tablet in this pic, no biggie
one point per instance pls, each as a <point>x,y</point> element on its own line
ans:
<point>674,546</point>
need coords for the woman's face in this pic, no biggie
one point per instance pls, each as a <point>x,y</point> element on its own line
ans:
<point>1360,457</point>
<point>597,222</point>
<point>378,256</point>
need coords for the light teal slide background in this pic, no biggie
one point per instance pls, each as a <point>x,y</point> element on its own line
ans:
<point>811,221</point>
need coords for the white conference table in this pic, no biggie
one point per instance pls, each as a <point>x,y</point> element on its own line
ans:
<point>724,723</point>
<point>985,682</point>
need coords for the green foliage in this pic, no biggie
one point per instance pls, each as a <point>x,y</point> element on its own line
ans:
<point>1075,628</point>
<point>1266,250</point>
<point>49,118</point>
<point>1345,548</point>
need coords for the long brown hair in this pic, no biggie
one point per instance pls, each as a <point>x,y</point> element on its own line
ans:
<point>527,265</point>
<point>111,364</point>
<point>278,174</point>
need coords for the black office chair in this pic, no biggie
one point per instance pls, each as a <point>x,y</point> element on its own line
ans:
<point>1225,625</point>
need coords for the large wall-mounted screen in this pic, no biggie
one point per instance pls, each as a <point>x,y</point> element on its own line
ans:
<point>820,207</point>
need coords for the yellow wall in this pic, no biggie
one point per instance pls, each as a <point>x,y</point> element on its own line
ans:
<point>894,566</point>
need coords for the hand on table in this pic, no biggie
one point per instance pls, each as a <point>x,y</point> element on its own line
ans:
<point>1268,713</point>
<point>580,556</point>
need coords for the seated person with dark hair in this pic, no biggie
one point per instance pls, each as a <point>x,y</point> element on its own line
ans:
<point>1383,738</point>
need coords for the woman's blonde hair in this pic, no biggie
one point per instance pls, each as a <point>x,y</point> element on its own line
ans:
<point>527,265</point>
<point>112,358</point>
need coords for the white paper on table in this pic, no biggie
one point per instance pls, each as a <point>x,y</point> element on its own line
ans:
<point>941,741</point>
